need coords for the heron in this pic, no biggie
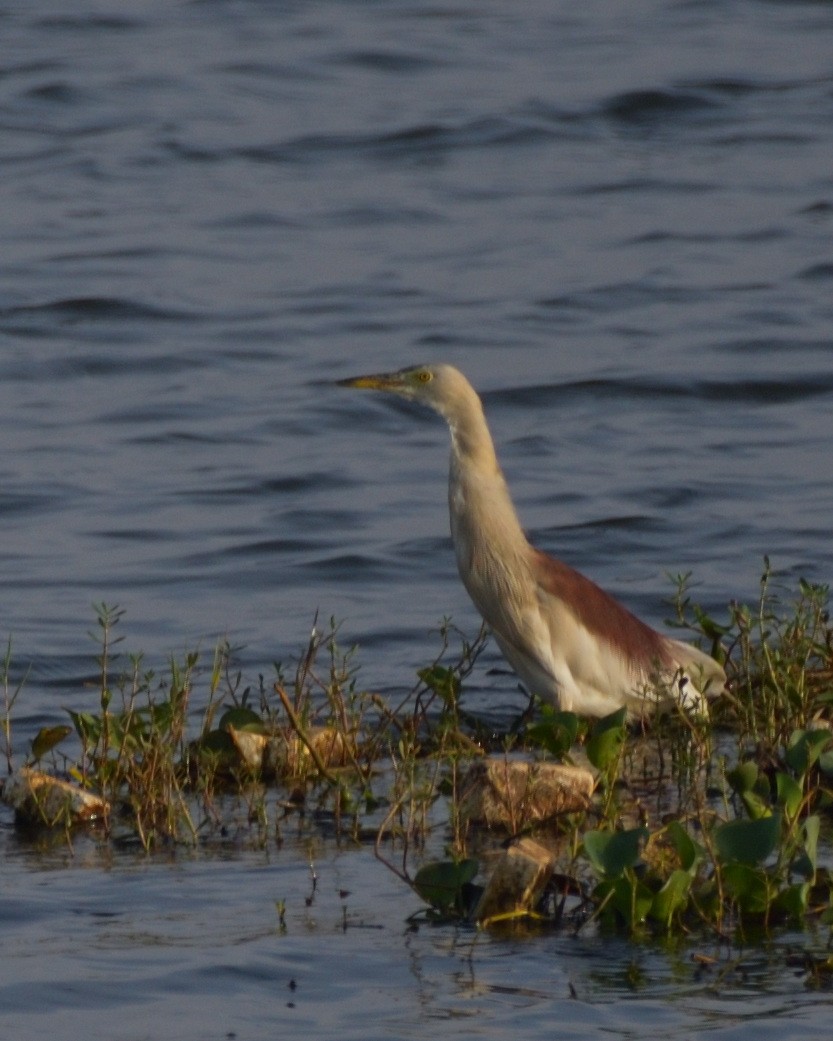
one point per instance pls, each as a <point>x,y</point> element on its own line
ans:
<point>569,641</point>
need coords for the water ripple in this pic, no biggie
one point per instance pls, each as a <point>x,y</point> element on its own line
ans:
<point>652,108</point>
<point>752,391</point>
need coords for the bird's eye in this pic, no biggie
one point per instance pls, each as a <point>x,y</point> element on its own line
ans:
<point>424,376</point>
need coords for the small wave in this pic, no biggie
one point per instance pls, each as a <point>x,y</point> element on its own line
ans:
<point>268,548</point>
<point>773,345</point>
<point>397,61</point>
<point>622,296</point>
<point>292,485</point>
<point>27,503</point>
<point>754,391</point>
<point>768,391</point>
<point>58,91</point>
<point>355,568</point>
<point>822,208</point>
<point>817,272</point>
<point>132,535</point>
<point>654,108</point>
<point>96,308</point>
<point>421,142</point>
<point>88,23</point>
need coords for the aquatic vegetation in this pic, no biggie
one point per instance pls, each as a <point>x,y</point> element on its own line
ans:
<point>697,823</point>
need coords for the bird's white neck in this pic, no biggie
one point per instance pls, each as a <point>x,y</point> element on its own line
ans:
<point>488,539</point>
<point>471,442</point>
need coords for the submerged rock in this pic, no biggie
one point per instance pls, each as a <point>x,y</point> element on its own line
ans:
<point>516,883</point>
<point>514,793</point>
<point>40,798</point>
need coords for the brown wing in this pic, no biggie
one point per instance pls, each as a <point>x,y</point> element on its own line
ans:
<point>634,641</point>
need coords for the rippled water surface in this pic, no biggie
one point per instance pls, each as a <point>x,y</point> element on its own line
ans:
<point>615,218</point>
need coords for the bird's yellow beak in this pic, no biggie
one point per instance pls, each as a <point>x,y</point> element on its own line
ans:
<point>383,381</point>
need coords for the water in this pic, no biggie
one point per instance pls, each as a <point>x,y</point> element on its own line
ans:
<point>615,218</point>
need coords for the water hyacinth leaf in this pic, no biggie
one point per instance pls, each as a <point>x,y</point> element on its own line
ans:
<point>743,777</point>
<point>671,898</point>
<point>789,793</point>
<point>752,787</point>
<point>47,738</point>
<point>811,837</point>
<point>439,883</point>
<point>747,841</point>
<point>556,732</point>
<point>606,740</point>
<point>241,718</point>
<point>804,749</point>
<point>689,852</point>
<point>756,805</point>
<point>810,829</point>
<point>802,865</point>
<point>629,898</point>
<point>748,886</point>
<point>216,743</point>
<point>613,852</point>
<point>793,901</point>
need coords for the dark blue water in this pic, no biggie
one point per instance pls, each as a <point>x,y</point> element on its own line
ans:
<point>617,219</point>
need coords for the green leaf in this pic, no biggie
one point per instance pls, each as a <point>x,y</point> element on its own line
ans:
<point>216,743</point>
<point>556,732</point>
<point>711,629</point>
<point>756,805</point>
<point>748,886</point>
<point>47,738</point>
<point>789,793</point>
<point>752,787</point>
<point>671,898</point>
<point>743,777</point>
<point>792,902</point>
<point>689,852</point>
<point>240,718</point>
<point>612,852</point>
<point>747,841</point>
<point>443,681</point>
<point>606,739</point>
<point>629,898</point>
<point>440,882</point>
<point>811,828</point>
<point>87,726</point>
<point>804,748</point>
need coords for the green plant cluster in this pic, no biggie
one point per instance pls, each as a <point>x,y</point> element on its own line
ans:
<point>760,865</point>
<point>715,822</point>
<point>739,844</point>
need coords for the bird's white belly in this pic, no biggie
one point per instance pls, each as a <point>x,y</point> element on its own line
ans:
<point>562,662</point>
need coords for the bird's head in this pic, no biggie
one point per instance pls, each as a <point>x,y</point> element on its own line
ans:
<point>439,387</point>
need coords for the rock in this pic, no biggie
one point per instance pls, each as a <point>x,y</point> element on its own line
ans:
<point>286,755</point>
<point>40,798</point>
<point>514,793</point>
<point>250,746</point>
<point>516,883</point>
<point>283,754</point>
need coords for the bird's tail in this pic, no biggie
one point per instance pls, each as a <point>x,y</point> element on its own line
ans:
<point>698,670</point>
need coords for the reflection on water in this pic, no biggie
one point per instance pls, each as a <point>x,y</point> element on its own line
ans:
<point>192,946</point>
<point>615,219</point>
